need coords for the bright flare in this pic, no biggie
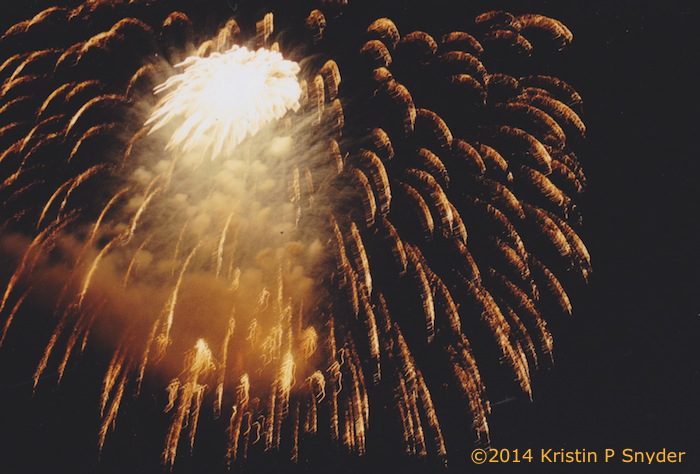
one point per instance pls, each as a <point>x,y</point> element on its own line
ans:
<point>218,101</point>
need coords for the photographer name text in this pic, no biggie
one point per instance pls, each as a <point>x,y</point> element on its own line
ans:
<point>577,456</point>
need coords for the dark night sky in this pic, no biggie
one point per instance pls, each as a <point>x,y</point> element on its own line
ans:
<point>627,372</point>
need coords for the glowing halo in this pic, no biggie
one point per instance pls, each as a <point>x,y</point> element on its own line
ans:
<point>221,99</point>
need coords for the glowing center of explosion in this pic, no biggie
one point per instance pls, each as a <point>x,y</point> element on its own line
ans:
<point>217,101</point>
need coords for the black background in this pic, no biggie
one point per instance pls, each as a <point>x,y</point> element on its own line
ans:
<point>627,371</point>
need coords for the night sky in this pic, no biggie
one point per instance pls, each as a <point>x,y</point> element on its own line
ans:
<point>627,370</point>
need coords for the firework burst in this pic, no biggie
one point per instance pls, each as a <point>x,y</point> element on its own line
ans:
<point>225,97</point>
<point>394,237</point>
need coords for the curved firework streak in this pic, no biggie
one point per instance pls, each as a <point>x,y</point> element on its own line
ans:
<point>424,234</point>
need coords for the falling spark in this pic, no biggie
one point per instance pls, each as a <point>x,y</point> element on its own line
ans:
<point>220,248</point>
<point>198,363</point>
<point>163,338</point>
<point>222,371</point>
<point>11,316</point>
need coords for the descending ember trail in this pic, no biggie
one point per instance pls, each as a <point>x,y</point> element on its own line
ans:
<point>234,221</point>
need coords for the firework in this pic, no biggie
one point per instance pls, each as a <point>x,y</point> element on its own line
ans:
<point>288,232</point>
<point>225,97</point>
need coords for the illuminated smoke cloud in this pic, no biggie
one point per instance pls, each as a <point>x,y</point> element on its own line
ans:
<point>224,98</point>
